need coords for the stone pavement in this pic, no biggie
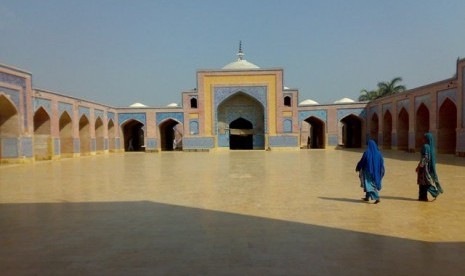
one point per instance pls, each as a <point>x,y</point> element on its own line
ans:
<point>228,213</point>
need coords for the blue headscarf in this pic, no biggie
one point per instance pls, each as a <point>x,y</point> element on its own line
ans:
<point>429,149</point>
<point>374,163</point>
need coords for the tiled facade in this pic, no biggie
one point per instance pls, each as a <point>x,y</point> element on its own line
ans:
<point>40,124</point>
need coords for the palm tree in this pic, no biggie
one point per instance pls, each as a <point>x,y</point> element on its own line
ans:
<point>366,95</point>
<point>390,88</point>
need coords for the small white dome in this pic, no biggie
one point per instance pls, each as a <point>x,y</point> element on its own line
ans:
<point>286,88</point>
<point>172,105</point>
<point>344,100</point>
<point>307,102</point>
<point>137,105</point>
<point>240,64</point>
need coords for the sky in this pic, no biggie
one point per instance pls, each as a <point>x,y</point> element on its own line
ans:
<point>118,52</point>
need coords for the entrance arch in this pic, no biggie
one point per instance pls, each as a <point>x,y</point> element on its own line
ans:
<point>133,135</point>
<point>421,125</point>
<point>447,127</point>
<point>374,128</point>
<point>84,135</point>
<point>111,135</point>
<point>250,111</point>
<point>402,130</point>
<point>316,133</point>
<point>241,134</point>
<point>387,130</point>
<point>171,133</point>
<point>9,120</point>
<point>66,134</point>
<point>99,139</point>
<point>351,131</point>
<point>42,137</point>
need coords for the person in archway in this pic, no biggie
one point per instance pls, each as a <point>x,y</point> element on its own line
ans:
<point>427,178</point>
<point>130,144</point>
<point>371,172</point>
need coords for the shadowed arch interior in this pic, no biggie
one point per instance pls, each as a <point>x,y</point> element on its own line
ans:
<point>421,125</point>
<point>9,119</point>
<point>66,134</point>
<point>316,133</point>
<point>170,135</point>
<point>447,137</point>
<point>133,135</point>
<point>84,135</point>
<point>42,138</point>
<point>111,135</point>
<point>351,131</point>
<point>99,137</point>
<point>241,134</point>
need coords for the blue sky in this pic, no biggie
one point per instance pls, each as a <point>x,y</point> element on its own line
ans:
<point>119,52</point>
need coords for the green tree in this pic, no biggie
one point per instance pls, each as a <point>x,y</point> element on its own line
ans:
<point>366,95</point>
<point>390,88</point>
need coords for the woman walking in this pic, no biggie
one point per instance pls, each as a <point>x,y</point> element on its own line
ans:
<point>371,171</point>
<point>427,178</point>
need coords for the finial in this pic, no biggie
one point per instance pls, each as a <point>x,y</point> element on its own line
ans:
<point>240,54</point>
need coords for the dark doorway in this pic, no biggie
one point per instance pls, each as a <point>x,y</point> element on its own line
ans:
<point>240,134</point>
<point>316,138</point>
<point>351,132</point>
<point>133,136</point>
<point>171,135</point>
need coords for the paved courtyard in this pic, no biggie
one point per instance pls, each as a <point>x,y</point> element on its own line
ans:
<point>228,213</point>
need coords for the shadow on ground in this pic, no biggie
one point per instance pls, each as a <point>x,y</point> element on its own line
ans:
<point>147,238</point>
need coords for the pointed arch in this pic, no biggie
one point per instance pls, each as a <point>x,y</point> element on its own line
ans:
<point>315,139</point>
<point>351,131</point>
<point>171,133</point>
<point>42,135</point>
<point>402,129</point>
<point>387,130</point>
<point>241,105</point>
<point>421,125</point>
<point>65,127</point>
<point>99,136</point>
<point>133,135</point>
<point>447,125</point>
<point>241,134</point>
<point>9,118</point>
<point>111,134</point>
<point>84,135</point>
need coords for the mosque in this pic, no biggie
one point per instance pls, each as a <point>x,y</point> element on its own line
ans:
<point>238,107</point>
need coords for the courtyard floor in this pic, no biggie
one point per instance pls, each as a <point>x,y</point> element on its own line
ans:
<point>228,213</point>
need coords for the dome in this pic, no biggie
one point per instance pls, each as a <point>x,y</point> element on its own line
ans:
<point>137,105</point>
<point>240,63</point>
<point>307,102</point>
<point>344,100</point>
<point>172,105</point>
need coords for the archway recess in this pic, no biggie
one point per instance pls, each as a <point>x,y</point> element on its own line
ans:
<point>133,135</point>
<point>42,137</point>
<point>351,131</point>
<point>447,137</point>
<point>316,133</point>
<point>171,133</point>
<point>245,115</point>
<point>421,125</point>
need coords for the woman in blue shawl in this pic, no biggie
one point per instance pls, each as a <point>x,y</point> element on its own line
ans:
<point>371,171</point>
<point>427,178</point>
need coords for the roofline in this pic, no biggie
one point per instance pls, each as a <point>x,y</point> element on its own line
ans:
<point>15,69</point>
